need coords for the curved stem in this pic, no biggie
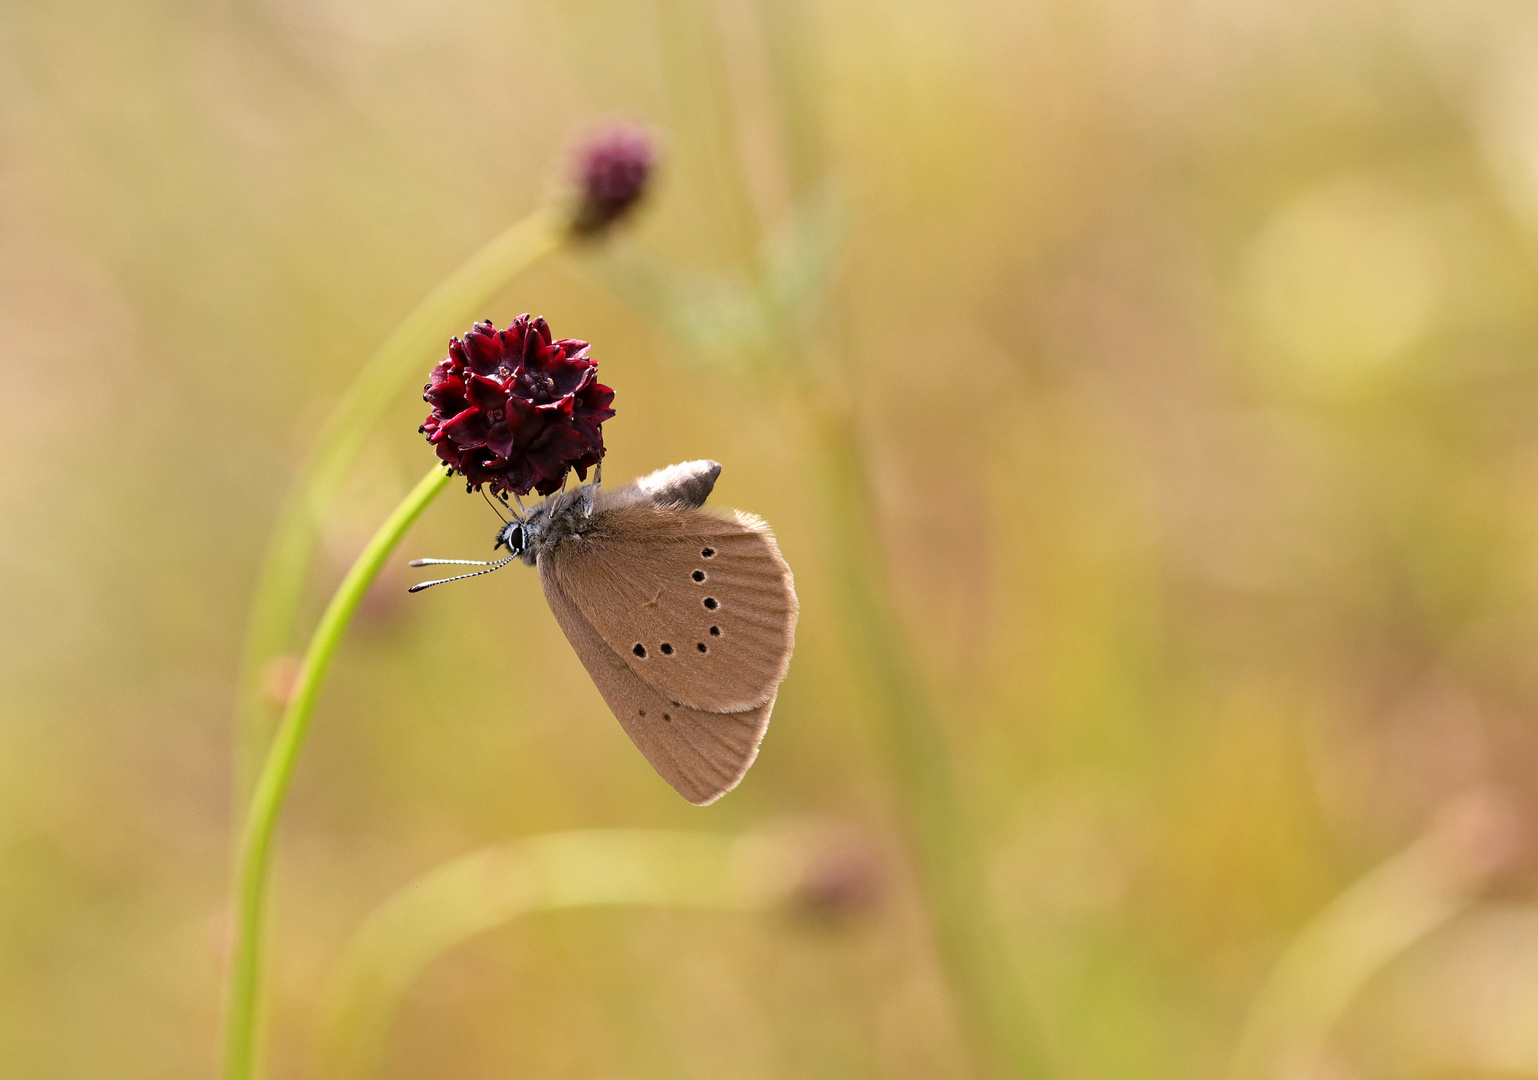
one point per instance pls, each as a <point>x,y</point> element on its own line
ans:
<point>1363,930</point>
<point>255,859</point>
<point>403,356</point>
<point>474,893</point>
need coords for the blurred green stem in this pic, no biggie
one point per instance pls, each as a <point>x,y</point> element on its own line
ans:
<point>791,47</point>
<point>994,1012</point>
<point>403,357</point>
<point>700,92</point>
<point>996,1018</point>
<point>487,888</point>
<point>255,858</point>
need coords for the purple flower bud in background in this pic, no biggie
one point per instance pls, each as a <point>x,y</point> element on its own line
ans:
<point>839,878</point>
<point>815,869</point>
<point>611,170</point>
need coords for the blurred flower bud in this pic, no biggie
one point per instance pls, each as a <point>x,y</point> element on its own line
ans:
<point>837,880</point>
<point>1482,832</point>
<point>819,871</point>
<point>610,171</point>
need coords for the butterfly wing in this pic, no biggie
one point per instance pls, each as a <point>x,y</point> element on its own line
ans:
<point>702,755</point>
<point>703,609</point>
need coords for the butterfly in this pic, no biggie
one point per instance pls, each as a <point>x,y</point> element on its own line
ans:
<point>684,620</point>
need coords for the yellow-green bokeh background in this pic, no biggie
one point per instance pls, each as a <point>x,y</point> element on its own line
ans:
<point>1196,347</point>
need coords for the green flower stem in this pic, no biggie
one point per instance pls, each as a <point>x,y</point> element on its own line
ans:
<point>255,859</point>
<point>995,1014</point>
<point>403,357</point>
<point>488,888</point>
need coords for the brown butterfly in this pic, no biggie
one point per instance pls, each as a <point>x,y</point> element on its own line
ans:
<point>684,620</point>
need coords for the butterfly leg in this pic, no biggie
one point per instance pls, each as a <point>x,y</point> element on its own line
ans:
<point>559,498</point>
<point>517,516</point>
<point>589,490</point>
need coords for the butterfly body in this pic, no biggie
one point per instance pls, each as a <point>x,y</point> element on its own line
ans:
<point>684,620</point>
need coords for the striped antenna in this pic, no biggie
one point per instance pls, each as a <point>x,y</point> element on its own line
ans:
<point>499,564</point>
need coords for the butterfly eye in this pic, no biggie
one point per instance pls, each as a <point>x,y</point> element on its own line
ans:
<point>512,538</point>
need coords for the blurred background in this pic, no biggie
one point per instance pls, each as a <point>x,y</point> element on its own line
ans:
<point>1192,353</point>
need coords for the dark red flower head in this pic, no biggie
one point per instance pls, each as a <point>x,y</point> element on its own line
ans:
<point>514,410</point>
<point>611,171</point>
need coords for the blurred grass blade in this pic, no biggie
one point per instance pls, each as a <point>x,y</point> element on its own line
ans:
<point>404,358</point>
<point>799,259</point>
<point>1467,1004</point>
<point>995,1011</point>
<point>1365,928</point>
<point>487,888</point>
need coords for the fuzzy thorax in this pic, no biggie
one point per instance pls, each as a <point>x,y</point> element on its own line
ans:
<point>557,520</point>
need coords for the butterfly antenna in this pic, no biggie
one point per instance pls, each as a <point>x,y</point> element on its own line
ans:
<point>499,564</point>
<point>520,517</point>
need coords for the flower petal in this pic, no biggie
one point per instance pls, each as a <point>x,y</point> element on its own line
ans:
<point>488,395</point>
<point>468,429</point>
<point>483,350</point>
<point>449,453</point>
<point>501,439</point>
<point>536,339</point>
<point>447,395</point>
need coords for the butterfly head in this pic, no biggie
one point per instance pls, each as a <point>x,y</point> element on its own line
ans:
<point>513,537</point>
